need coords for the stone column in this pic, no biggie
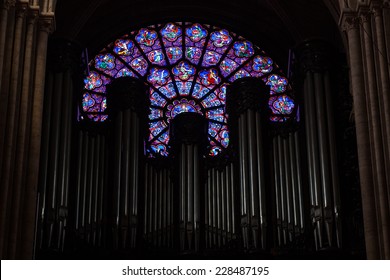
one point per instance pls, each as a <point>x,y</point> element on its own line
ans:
<point>30,199</point>
<point>350,24</point>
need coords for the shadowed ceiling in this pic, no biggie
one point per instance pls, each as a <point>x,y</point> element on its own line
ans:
<point>274,25</point>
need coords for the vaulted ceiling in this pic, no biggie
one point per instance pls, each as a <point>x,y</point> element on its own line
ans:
<point>274,25</point>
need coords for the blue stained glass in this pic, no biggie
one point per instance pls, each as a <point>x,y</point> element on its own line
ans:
<point>140,65</point>
<point>239,74</point>
<point>158,76</point>
<point>146,37</point>
<point>168,90</point>
<point>174,54</point>
<point>93,81</point>
<point>210,58</point>
<point>105,62</point>
<point>277,83</point>
<point>221,38</point>
<point>171,32</point>
<point>209,77</point>
<point>193,54</point>
<point>155,114</point>
<point>157,100</point>
<point>243,49</point>
<point>227,66</point>
<point>124,73</point>
<point>216,114</point>
<point>183,70</point>
<point>156,57</point>
<point>196,32</point>
<point>262,64</point>
<point>184,87</point>
<point>145,43</point>
<point>156,127</point>
<point>159,148</point>
<point>123,47</point>
<point>281,104</point>
<point>211,101</point>
<point>199,91</point>
<point>182,106</point>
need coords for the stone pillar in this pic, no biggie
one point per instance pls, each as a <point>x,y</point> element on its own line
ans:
<point>350,24</point>
<point>20,126</point>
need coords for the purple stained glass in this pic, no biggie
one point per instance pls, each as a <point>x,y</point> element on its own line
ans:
<point>196,32</point>
<point>174,54</point>
<point>282,104</point>
<point>243,49</point>
<point>88,102</point>
<point>199,91</point>
<point>171,32</point>
<point>278,119</point>
<point>105,62</point>
<point>216,114</point>
<point>210,58</point>
<point>156,128</point>
<point>145,49</point>
<point>94,103</point>
<point>221,38</point>
<point>182,106</point>
<point>93,81</point>
<point>277,83</point>
<point>157,100</point>
<point>123,47</point>
<point>262,64</point>
<point>140,65</point>
<point>183,70</point>
<point>223,137</point>
<point>227,66</point>
<point>155,114</point>
<point>159,148</point>
<point>156,57</point>
<point>211,101</point>
<point>193,54</point>
<point>146,37</point>
<point>97,117</point>
<point>124,73</point>
<point>168,90</point>
<point>209,77</point>
<point>158,76</point>
<point>239,74</point>
<point>215,150</point>
<point>184,87</point>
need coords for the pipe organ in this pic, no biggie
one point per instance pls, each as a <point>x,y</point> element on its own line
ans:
<point>271,192</point>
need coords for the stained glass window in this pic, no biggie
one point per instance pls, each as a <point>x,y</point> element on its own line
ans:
<point>187,67</point>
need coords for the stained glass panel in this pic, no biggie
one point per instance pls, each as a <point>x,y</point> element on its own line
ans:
<point>187,67</point>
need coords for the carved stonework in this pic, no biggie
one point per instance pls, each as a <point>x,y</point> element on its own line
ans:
<point>349,21</point>
<point>7,4</point>
<point>21,9</point>
<point>46,24</point>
